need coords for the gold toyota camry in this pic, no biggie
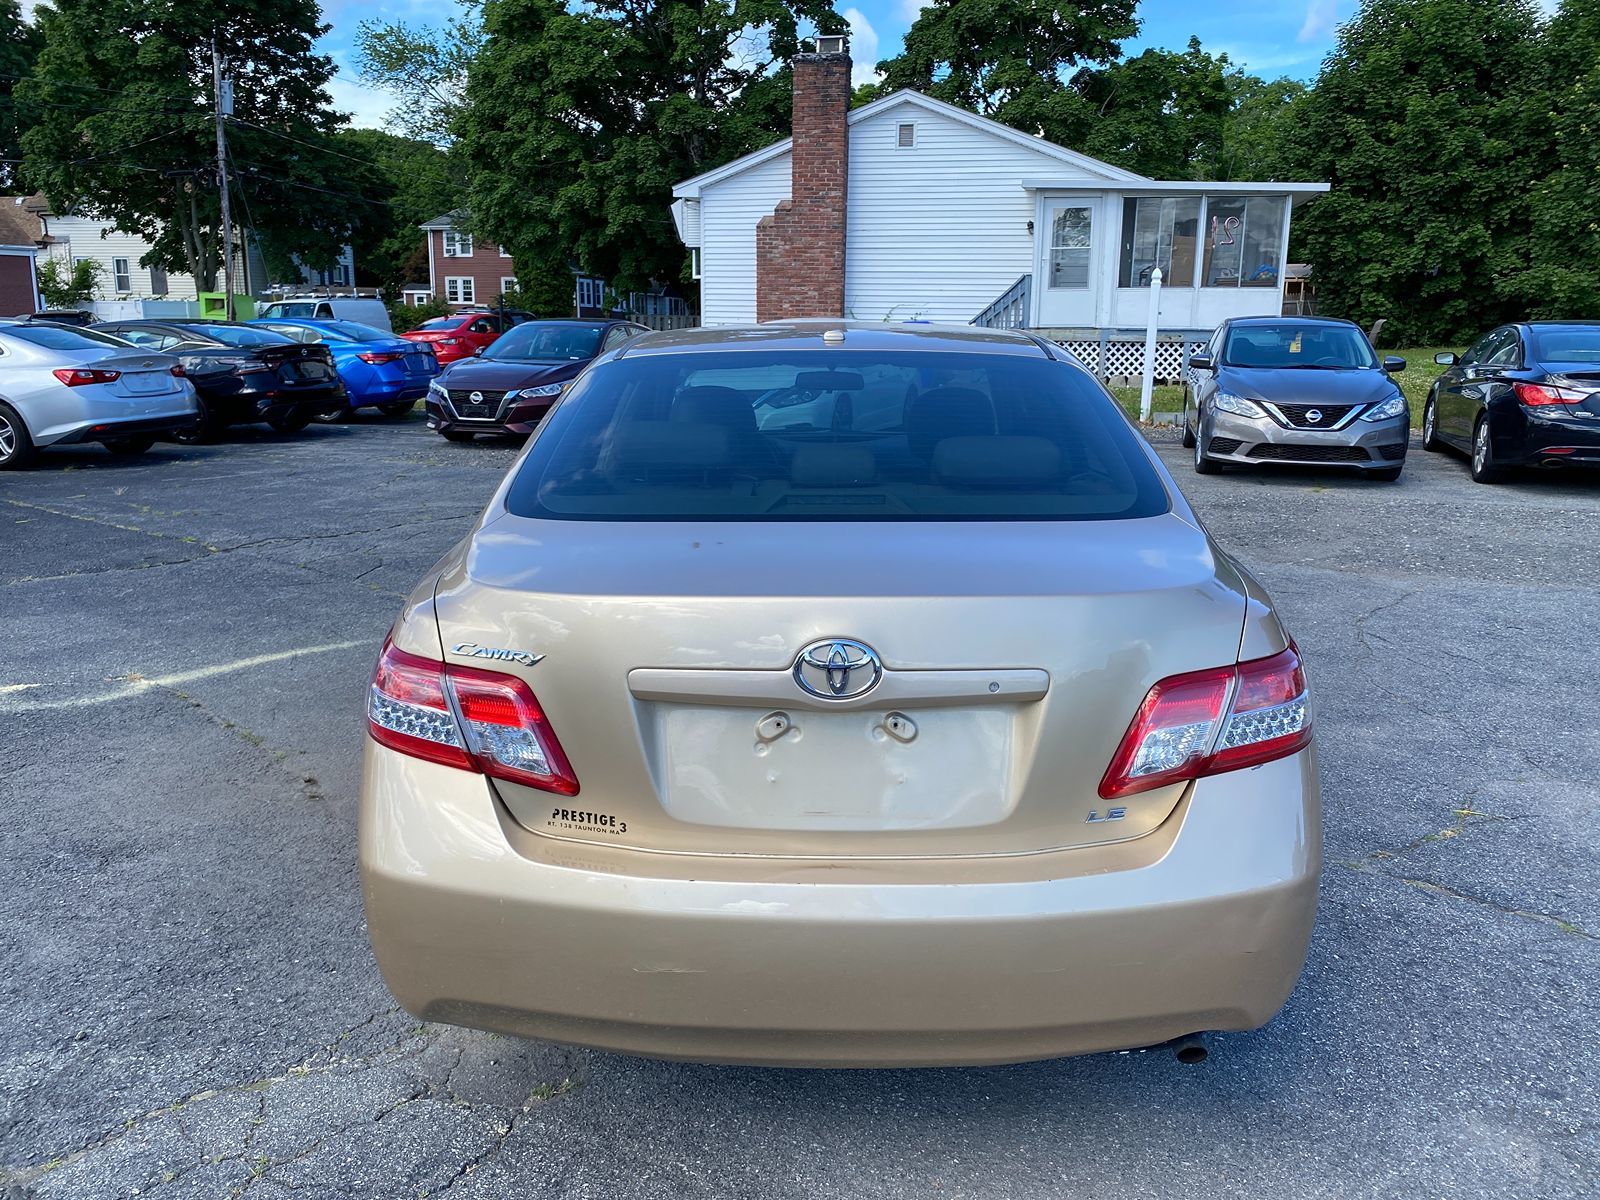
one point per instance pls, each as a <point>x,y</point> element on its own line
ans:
<point>835,694</point>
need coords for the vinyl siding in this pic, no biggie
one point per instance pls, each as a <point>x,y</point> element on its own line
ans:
<point>83,236</point>
<point>938,231</point>
<point>729,212</point>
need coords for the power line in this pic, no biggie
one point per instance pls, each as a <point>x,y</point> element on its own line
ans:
<point>301,141</point>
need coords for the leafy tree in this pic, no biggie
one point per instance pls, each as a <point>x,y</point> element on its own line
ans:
<point>66,285</point>
<point>1562,279</point>
<point>579,119</point>
<point>1420,120</point>
<point>424,67</point>
<point>125,129</point>
<point>1010,59</point>
<point>19,46</point>
<point>405,317</point>
<point>1253,133</point>
<point>1162,113</point>
<point>419,175</point>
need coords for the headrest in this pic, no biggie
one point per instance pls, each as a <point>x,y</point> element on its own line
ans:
<point>996,461</point>
<point>952,411</point>
<point>714,406</point>
<point>833,466</point>
<point>671,446</point>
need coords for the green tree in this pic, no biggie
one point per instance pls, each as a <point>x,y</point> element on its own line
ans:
<point>19,47</point>
<point>424,67</point>
<point>1260,114</point>
<point>125,128</point>
<point>1011,59</point>
<point>64,286</point>
<point>1161,113</point>
<point>1562,279</point>
<point>1420,120</point>
<point>579,119</point>
<point>422,184</point>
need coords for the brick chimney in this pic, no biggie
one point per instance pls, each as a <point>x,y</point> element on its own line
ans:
<point>800,247</point>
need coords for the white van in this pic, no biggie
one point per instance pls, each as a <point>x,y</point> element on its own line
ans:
<point>328,308</point>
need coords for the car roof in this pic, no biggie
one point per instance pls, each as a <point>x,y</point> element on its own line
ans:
<point>1337,322</point>
<point>807,334</point>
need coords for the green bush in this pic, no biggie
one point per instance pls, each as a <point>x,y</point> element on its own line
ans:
<point>405,317</point>
<point>67,287</point>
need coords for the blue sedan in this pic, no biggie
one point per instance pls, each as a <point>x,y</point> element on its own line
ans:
<point>379,370</point>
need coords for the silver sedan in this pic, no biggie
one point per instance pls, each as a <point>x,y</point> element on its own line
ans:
<point>61,386</point>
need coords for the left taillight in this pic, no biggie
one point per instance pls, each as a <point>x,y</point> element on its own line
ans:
<point>378,357</point>
<point>179,371</point>
<point>503,731</point>
<point>78,376</point>
<point>1542,395</point>
<point>1206,722</point>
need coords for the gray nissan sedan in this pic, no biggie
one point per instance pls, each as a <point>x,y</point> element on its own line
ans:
<point>832,694</point>
<point>1306,391</point>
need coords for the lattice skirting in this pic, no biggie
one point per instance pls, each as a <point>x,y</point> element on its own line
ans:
<point>1124,359</point>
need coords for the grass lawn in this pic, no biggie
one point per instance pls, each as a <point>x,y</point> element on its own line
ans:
<point>1414,381</point>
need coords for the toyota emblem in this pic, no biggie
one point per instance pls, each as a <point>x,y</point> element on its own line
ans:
<point>838,669</point>
<point>1314,415</point>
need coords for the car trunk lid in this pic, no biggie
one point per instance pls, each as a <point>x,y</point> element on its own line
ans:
<point>1013,657</point>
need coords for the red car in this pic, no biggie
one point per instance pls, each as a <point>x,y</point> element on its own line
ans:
<point>460,335</point>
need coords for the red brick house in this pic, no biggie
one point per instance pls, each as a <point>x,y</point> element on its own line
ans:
<point>20,239</point>
<point>464,270</point>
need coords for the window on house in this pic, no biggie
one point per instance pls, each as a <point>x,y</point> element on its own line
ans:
<point>1244,240</point>
<point>1069,247</point>
<point>460,290</point>
<point>457,244</point>
<point>905,135</point>
<point>508,283</point>
<point>591,291</point>
<point>1160,231</point>
<point>694,262</point>
<point>341,276</point>
<point>121,275</point>
<point>158,282</point>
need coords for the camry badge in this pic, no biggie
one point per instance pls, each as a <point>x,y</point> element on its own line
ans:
<point>499,654</point>
<point>1314,415</point>
<point>838,669</point>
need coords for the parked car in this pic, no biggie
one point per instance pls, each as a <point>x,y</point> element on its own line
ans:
<point>363,311</point>
<point>379,370</point>
<point>1521,395</point>
<point>78,317</point>
<point>61,386</point>
<point>509,387</point>
<point>951,741</point>
<point>459,335</point>
<point>1295,390</point>
<point>243,374</point>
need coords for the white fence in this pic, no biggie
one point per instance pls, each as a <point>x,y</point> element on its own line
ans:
<point>1118,354</point>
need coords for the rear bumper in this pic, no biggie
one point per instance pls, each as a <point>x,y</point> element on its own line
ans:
<point>92,420</point>
<point>242,405</point>
<point>387,391</point>
<point>1203,925</point>
<point>128,427</point>
<point>1370,445</point>
<point>1576,440</point>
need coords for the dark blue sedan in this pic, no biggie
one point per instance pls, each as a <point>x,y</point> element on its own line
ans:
<point>379,370</point>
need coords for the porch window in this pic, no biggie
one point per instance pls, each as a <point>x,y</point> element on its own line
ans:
<point>1069,248</point>
<point>1244,240</point>
<point>1160,231</point>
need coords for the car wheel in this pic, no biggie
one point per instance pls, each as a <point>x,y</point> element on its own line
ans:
<point>457,435</point>
<point>331,416</point>
<point>1385,474</point>
<point>206,429</point>
<point>398,409</point>
<point>1188,434</point>
<point>16,447</point>
<point>1430,427</point>
<point>129,445</point>
<point>1203,465</point>
<point>1483,468</point>
<point>293,423</point>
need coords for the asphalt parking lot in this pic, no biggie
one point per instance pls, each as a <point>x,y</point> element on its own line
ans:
<point>190,1008</point>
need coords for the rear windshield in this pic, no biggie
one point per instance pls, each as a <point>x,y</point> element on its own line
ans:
<point>291,309</point>
<point>59,337</point>
<point>1329,347</point>
<point>1577,344</point>
<point>354,331</point>
<point>837,436</point>
<point>240,335</point>
<point>442,323</point>
<point>537,341</point>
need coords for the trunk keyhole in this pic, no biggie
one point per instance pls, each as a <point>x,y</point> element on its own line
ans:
<point>900,727</point>
<point>773,726</point>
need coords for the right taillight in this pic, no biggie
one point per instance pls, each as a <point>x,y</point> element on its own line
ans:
<point>1206,722</point>
<point>1541,395</point>
<point>78,376</point>
<point>503,732</point>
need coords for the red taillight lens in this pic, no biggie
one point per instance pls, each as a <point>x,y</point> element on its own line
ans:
<point>1538,395</point>
<point>378,357</point>
<point>506,734</point>
<point>449,341</point>
<point>78,376</point>
<point>1211,721</point>
<point>179,371</point>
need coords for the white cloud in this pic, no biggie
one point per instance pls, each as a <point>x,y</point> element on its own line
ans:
<point>863,47</point>
<point>1322,20</point>
<point>367,106</point>
<point>911,9</point>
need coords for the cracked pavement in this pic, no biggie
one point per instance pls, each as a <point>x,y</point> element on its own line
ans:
<point>190,1008</point>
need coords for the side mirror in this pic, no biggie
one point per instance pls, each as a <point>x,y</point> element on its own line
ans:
<point>1393,364</point>
<point>1446,359</point>
<point>1200,362</point>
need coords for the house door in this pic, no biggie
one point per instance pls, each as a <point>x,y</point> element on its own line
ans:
<point>1068,295</point>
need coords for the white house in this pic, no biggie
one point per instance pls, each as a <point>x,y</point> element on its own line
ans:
<point>947,216</point>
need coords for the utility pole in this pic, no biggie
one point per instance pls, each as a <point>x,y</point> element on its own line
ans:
<point>223,90</point>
